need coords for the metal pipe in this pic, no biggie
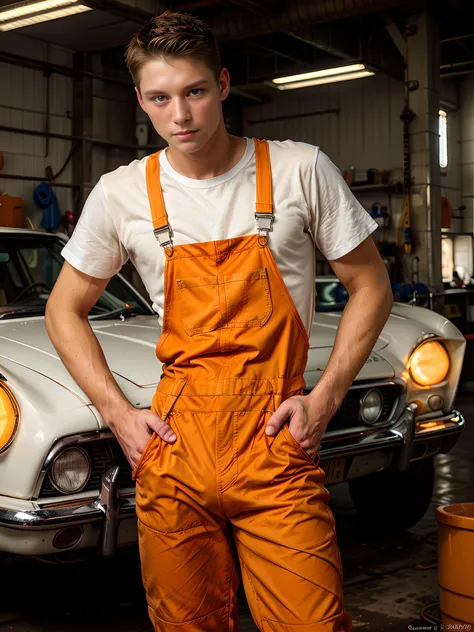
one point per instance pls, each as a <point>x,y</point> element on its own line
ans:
<point>250,5</point>
<point>94,141</point>
<point>235,25</point>
<point>457,74</point>
<point>456,39</point>
<point>196,4</point>
<point>35,64</point>
<point>280,54</point>
<point>318,43</point>
<point>46,116</point>
<point>11,176</point>
<point>294,116</point>
<point>457,65</point>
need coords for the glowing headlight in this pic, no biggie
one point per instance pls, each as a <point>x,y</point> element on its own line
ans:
<point>429,363</point>
<point>70,471</point>
<point>371,406</point>
<point>9,417</point>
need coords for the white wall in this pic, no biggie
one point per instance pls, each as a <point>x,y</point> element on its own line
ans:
<point>367,133</point>
<point>23,104</point>
<point>467,150</point>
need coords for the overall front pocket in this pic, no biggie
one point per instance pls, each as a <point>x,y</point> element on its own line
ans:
<point>298,447</point>
<point>224,301</point>
<point>144,455</point>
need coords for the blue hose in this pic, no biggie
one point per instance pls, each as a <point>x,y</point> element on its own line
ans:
<point>45,198</point>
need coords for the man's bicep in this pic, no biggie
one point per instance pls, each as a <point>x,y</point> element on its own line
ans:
<point>75,291</point>
<point>361,267</point>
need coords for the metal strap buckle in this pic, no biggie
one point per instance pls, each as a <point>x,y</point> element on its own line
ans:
<point>264,223</point>
<point>164,240</point>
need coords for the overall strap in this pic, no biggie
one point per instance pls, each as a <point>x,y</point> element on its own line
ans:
<point>264,202</point>
<point>263,206</point>
<point>161,227</point>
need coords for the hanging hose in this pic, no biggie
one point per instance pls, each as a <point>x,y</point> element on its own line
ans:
<point>54,176</point>
<point>44,198</point>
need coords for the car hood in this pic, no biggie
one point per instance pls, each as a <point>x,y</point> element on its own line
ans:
<point>323,332</point>
<point>322,338</point>
<point>129,347</point>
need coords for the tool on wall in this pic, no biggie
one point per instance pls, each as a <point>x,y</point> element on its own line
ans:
<point>407,116</point>
<point>405,221</point>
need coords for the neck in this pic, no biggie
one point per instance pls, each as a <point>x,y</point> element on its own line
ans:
<point>221,152</point>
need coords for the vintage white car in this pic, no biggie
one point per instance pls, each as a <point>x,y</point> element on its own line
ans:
<point>65,485</point>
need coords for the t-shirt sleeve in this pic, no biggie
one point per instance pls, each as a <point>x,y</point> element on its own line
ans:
<point>339,222</point>
<point>94,247</point>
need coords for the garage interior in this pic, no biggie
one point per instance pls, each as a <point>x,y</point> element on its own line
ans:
<point>403,128</point>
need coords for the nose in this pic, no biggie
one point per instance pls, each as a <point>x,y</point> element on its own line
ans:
<point>181,112</point>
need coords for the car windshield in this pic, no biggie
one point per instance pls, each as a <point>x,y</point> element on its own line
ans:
<point>29,267</point>
<point>331,295</point>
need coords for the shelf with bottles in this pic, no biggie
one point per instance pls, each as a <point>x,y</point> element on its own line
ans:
<point>392,188</point>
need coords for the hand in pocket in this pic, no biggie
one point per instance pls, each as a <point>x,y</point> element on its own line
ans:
<point>134,431</point>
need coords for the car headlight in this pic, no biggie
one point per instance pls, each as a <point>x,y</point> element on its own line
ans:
<point>371,406</point>
<point>70,470</point>
<point>429,363</point>
<point>9,417</point>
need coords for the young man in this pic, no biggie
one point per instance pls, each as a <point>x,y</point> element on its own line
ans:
<point>223,231</point>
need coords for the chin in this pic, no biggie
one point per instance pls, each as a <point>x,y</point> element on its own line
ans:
<point>187,147</point>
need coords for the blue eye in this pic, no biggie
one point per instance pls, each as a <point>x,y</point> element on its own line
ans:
<point>157,99</point>
<point>195,90</point>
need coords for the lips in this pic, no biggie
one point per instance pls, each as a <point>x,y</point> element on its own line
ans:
<point>187,134</point>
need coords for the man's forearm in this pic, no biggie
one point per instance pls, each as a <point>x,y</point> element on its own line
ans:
<point>81,353</point>
<point>362,321</point>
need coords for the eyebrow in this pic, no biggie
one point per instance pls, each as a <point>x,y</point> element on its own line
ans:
<point>186,88</point>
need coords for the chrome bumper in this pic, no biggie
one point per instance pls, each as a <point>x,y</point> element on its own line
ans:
<point>109,508</point>
<point>402,437</point>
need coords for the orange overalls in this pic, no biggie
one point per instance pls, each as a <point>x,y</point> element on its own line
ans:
<point>233,347</point>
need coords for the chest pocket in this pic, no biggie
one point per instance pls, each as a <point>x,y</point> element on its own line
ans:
<point>224,301</point>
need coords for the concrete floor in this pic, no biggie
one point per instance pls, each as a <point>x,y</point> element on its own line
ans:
<point>388,580</point>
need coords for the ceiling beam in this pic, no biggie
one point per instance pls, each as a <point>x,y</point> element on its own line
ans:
<point>235,25</point>
<point>397,37</point>
<point>316,39</point>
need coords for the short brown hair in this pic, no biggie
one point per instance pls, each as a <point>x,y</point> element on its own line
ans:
<point>172,34</point>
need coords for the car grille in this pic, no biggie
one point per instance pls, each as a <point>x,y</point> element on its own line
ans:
<point>104,454</point>
<point>347,415</point>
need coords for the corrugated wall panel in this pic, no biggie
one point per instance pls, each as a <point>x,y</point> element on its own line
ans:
<point>23,105</point>
<point>367,133</point>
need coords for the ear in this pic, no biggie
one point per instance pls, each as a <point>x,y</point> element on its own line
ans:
<point>224,83</point>
<point>140,100</point>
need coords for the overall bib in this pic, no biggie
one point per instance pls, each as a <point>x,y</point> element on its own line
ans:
<point>233,347</point>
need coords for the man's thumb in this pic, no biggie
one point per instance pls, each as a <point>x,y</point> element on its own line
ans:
<point>161,428</point>
<point>278,418</point>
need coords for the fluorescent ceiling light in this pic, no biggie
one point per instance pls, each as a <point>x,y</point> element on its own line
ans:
<point>26,14</point>
<point>27,8</point>
<point>321,80</point>
<point>319,73</point>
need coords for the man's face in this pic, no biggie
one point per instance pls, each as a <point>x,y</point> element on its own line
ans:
<point>182,95</point>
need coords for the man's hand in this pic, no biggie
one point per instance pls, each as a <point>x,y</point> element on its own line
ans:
<point>308,417</point>
<point>134,429</point>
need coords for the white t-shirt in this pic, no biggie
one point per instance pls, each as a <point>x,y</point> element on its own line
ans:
<point>312,205</point>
